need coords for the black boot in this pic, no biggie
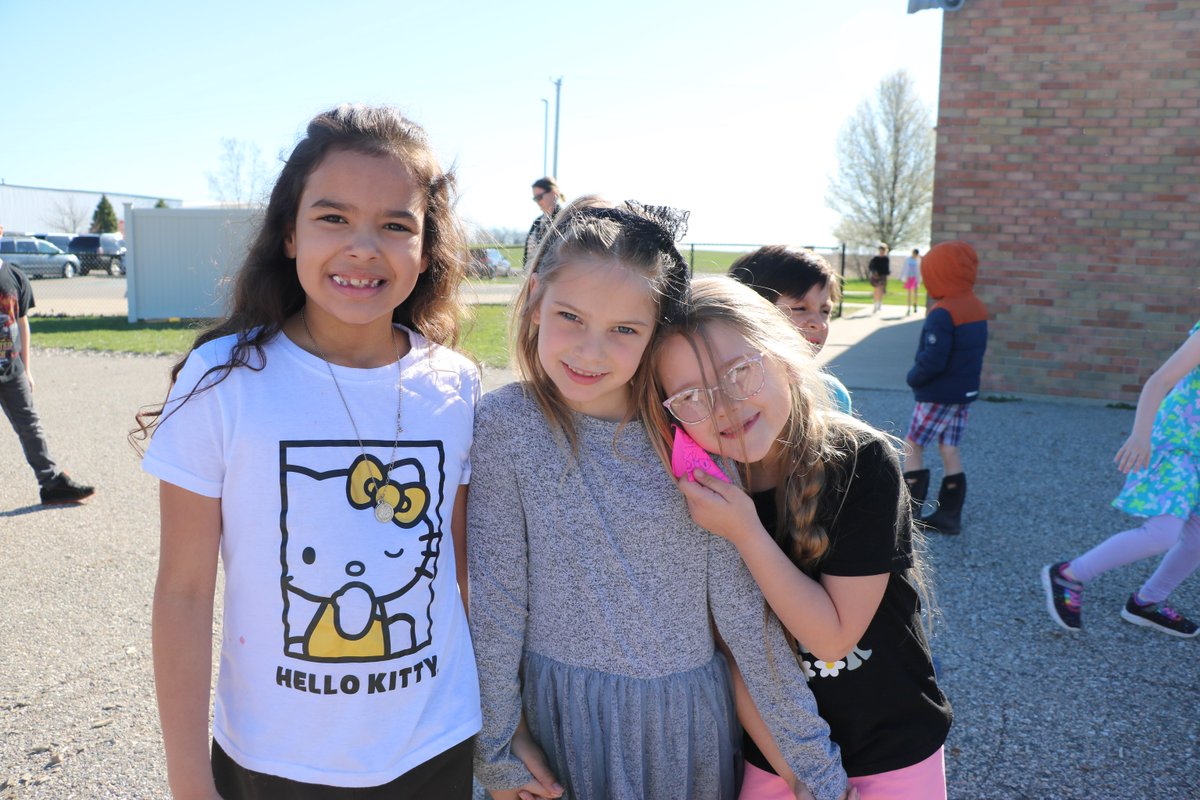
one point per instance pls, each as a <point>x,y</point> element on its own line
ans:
<point>948,517</point>
<point>918,487</point>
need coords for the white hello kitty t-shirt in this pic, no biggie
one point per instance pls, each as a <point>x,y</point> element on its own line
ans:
<point>345,657</point>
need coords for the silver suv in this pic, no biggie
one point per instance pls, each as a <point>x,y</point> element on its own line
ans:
<point>37,258</point>
<point>100,251</point>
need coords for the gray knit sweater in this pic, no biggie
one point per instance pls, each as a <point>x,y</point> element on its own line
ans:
<point>594,563</point>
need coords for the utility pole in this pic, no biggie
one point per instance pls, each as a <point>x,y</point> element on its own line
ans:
<point>545,134</point>
<point>557,100</point>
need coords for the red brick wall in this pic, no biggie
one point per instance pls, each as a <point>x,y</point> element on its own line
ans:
<point>1069,156</point>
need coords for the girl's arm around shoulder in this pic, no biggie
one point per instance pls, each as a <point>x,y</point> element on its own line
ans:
<point>182,634</point>
<point>773,678</point>
<point>1135,452</point>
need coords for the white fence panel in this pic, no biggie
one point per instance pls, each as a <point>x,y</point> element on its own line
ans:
<point>180,260</point>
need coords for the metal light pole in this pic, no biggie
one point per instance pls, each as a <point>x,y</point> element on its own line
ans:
<point>557,99</point>
<point>545,133</point>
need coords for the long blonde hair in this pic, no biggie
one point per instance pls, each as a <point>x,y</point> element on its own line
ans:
<point>641,239</point>
<point>818,444</point>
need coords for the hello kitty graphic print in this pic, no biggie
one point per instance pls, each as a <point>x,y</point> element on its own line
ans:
<point>354,588</point>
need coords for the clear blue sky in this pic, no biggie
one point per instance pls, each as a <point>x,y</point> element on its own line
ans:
<point>732,112</point>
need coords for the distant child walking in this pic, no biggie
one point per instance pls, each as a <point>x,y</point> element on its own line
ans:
<point>55,487</point>
<point>319,436</point>
<point>802,285</point>
<point>823,524</point>
<point>945,380</point>
<point>1161,458</point>
<point>878,269</point>
<point>911,275</point>
<point>591,589</point>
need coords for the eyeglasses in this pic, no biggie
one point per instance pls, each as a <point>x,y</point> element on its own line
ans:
<point>537,196</point>
<point>740,382</point>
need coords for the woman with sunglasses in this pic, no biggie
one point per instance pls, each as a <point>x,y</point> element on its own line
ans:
<point>549,199</point>
<point>823,523</point>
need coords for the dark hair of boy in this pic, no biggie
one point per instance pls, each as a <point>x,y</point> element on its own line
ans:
<point>778,270</point>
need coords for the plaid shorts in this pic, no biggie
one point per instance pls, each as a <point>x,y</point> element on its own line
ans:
<point>946,422</point>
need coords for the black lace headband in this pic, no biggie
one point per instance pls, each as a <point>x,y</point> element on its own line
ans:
<point>662,226</point>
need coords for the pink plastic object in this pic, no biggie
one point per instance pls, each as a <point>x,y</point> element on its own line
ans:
<point>687,457</point>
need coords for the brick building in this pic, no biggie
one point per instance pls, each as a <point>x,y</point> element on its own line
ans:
<point>1069,155</point>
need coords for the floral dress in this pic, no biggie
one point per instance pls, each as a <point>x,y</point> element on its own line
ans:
<point>1170,484</point>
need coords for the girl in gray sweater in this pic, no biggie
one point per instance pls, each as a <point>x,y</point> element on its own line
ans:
<point>592,592</point>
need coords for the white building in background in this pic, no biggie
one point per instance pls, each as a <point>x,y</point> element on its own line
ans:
<point>181,260</point>
<point>33,209</point>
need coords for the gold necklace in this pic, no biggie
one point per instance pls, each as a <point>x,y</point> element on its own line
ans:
<point>384,511</point>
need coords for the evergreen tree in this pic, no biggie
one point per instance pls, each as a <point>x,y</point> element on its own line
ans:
<point>104,220</point>
<point>161,203</point>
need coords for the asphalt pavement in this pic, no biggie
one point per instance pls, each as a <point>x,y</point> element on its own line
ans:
<point>1039,713</point>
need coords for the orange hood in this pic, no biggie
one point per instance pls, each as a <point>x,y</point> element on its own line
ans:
<point>948,271</point>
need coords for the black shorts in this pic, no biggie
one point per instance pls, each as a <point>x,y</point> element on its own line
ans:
<point>446,775</point>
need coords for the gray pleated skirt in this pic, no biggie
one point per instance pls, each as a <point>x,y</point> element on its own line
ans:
<point>611,737</point>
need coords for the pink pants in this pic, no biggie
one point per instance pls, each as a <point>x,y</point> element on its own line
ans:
<point>922,781</point>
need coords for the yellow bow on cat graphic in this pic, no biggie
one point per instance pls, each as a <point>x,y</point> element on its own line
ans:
<point>365,488</point>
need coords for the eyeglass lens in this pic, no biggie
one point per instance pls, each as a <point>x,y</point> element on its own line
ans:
<point>741,382</point>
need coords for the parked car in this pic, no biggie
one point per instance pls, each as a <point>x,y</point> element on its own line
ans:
<point>38,258</point>
<point>488,263</point>
<point>100,251</point>
<point>60,240</point>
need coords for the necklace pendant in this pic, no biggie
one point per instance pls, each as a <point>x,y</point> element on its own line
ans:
<point>384,512</point>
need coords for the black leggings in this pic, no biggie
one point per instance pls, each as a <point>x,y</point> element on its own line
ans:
<point>446,775</point>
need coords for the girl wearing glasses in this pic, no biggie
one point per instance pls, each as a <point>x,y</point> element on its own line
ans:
<point>591,589</point>
<point>823,523</point>
<point>549,199</point>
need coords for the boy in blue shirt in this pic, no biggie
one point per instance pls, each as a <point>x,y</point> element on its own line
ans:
<point>803,286</point>
<point>945,379</point>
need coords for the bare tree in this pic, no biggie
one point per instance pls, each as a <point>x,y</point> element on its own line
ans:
<point>884,186</point>
<point>68,216</point>
<point>241,177</point>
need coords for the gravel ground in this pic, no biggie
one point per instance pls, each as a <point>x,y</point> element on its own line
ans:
<point>1039,713</point>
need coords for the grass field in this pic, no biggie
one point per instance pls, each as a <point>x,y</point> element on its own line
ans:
<point>484,337</point>
<point>717,262</point>
<point>703,261</point>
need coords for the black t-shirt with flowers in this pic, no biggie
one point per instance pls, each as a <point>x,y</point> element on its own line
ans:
<point>881,700</point>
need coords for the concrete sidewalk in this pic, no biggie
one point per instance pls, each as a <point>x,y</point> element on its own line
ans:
<point>872,351</point>
<point>1039,713</point>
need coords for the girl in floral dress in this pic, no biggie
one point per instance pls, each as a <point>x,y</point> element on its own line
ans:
<point>1162,460</point>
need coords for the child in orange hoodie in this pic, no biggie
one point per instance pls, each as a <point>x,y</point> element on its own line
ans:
<point>945,379</point>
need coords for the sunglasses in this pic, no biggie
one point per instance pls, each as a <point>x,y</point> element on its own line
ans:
<point>537,196</point>
<point>740,382</point>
